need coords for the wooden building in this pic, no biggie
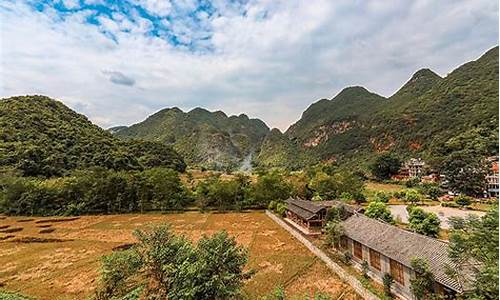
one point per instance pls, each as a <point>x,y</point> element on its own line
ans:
<point>389,249</point>
<point>311,215</point>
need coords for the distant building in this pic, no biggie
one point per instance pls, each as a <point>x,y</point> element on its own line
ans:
<point>310,216</point>
<point>412,168</point>
<point>389,249</point>
<point>415,167</point>
<point>492,184</point>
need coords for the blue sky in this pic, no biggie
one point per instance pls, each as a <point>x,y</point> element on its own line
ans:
<point>120,61</point>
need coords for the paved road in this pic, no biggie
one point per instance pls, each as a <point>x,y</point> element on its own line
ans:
<point>443,213</point>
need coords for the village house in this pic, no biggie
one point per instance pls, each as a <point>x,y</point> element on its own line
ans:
<point>310,217</point>
<point>412,168</point>
<point>389,249</point>
<point>492,183</point>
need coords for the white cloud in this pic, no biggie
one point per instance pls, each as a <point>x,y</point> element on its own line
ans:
<point>271,62</point>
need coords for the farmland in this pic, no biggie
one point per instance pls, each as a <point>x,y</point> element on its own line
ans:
<point>47,257</point>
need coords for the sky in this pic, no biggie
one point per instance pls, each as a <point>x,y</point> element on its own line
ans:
<point>118,61</point>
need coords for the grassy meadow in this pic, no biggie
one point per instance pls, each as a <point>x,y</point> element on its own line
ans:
<point>59,258</point>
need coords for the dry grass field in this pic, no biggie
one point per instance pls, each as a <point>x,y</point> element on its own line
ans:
<point>58,258</point>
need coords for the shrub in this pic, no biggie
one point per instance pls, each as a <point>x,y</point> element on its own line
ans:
<point>463,200</point>
<point>387,281</point>
<point>382,197</point>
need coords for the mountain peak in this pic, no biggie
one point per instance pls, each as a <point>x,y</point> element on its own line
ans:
<point>419,83</point>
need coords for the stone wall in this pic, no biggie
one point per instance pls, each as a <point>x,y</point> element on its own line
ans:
<point>343,274</point>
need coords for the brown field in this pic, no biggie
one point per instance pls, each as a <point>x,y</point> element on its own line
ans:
<point>63,262</point>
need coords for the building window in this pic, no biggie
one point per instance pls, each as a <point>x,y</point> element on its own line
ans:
<point>358,249</point>
<point>375,259</point>
<point>397,272</point>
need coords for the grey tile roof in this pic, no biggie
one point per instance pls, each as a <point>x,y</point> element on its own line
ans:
<point>401,245</point>
<point>303,208</point>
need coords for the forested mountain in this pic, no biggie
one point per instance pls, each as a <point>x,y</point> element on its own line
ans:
<point>205,139</point>
<point>429,117</point>
<point>40,136</point>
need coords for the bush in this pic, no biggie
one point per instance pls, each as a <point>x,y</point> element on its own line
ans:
<point>387,281</point>
<point>347,257</point>
<point>463,200</point>
<point>379,210</point>
<point>382,197</point>
<point>413,196</point>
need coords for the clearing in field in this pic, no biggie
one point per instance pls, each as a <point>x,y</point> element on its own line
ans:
<point>58,258</point>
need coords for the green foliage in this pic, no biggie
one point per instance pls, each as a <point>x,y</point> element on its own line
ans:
<point>337,213</point>
<point>165,266</point>
<point>379,210</point>
<point>382,196</point>
<point>94,191</point>
<point>365,268</point>
<point>429,117</point>
<point>474,239</point>
<point>269,186</point>
<point>205,139</point>
<point>422,286</point>
<point>387,280</point>
<point>412,196</point>
<point>385,165</point>
<point>465,173</point>
<point>423,222</point>
<point>334,232</point>
<point>333,186</point>
<point>223,194</point>
<point>463,200</point>
<point>43,137</point>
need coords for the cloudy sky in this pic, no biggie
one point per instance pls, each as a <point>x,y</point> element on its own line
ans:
<point>119,61</point>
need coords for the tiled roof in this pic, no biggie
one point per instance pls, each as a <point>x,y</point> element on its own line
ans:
<point>303,208</point>
<point>403,246</point>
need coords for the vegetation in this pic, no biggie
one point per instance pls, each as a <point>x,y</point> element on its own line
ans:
<point>474,249</point>
<point>379,210</point>
<point>165,266</point>
<point>385,165</point>
<point>463,200</point>
<point>429,117</point>
<point>423,222</point>
<point>42,137</point>
<point>334,232</point>
<point>387,280</point>
<point>422,286</point>
<point>465,173</point>
<point>205,139</point>
<point>94,191</point>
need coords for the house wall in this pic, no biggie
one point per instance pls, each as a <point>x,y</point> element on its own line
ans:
<point>401,290</point>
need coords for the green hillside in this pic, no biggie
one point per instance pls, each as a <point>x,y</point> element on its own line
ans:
<point>421,119</point>
<point>42,137</point>
<point>205,139</point>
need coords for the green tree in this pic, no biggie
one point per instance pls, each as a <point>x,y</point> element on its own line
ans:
<point>385,165</point>
<point>474,248</point>
<point>270,186</point>
<point>413,196</point>
<point>465,173</point>
<point>382,196</point>
<point>165,266</point>
<point>379,210</point>
<point>422,286</point>
<point>334,232</point>
<point>423,222</point>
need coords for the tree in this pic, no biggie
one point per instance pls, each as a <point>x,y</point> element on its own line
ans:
<point>334,232</point>
<point>473,249</point>
<point>463,200</point>
<point>465,173</point>
<point>413,196</point>
<point>422,286</point>
<point>423,222</point>
<point>379,210</point>
<point>165,266</point>
<point>333,186</point>
<point>270,186</point>
<point>385,165</point>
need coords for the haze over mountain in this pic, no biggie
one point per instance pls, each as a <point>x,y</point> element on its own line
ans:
<point>205,139</point>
